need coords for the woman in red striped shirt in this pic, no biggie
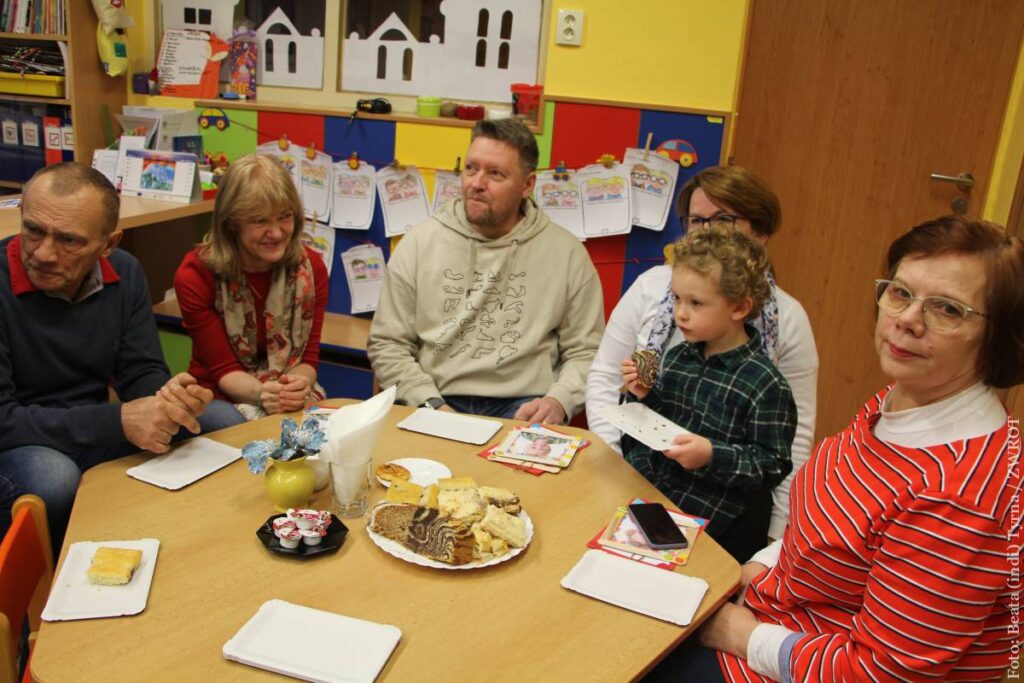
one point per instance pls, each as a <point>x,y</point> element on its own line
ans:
<point>902,558</point>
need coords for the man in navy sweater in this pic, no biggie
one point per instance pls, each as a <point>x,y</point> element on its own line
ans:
<point>75,320</point>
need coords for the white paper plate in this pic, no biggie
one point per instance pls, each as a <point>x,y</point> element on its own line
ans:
<point>637,587</point>
<point>396,549</point>
<point>454,426</point>
<point>422,471</point>
<point>74,597</point>
<point>313,645</point>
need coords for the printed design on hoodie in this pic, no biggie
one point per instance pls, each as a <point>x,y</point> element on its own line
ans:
<point>471,319</point>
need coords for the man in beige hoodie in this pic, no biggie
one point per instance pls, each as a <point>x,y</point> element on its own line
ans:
<point>489,307</point>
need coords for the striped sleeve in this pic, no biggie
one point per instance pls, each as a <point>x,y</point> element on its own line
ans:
<point>940,568</point>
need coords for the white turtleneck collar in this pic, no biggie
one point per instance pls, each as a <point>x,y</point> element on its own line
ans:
<point>975,411</point>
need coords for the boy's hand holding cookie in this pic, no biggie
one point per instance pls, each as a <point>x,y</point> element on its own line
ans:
<point>631,379</point>
<point>690,451</point>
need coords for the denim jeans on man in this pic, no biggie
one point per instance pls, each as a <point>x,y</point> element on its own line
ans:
<point>486,405</point>
<point>54,476</point>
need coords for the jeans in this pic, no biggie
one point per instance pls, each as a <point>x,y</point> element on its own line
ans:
<point>485,405</point>
<point>693,664</point>
<point>54,476</point>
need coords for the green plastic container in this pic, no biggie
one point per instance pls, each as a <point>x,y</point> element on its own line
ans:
<point>428,106</point>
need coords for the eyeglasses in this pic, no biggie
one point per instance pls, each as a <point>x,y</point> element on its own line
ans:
<point>722,221</point>
<point>939,313</point>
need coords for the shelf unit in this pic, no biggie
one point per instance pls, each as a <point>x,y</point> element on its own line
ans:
<point>86,87</point>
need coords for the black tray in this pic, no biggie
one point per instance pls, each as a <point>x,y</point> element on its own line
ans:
<point>328,544</point>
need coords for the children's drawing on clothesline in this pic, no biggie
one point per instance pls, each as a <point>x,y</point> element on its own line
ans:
<point>315,177</point>
<point>606,202</point>
<point>652,186</point>
<point>447,186</point>
<point>364,270</point>
<point>320,239</point>
<point>558,193</point>
<point>288,154</point>
<point>352,196</point>
<point>403,198</point>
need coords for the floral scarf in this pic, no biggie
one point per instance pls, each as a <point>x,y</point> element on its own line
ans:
<point>288,316</point>
<point>656,334</point>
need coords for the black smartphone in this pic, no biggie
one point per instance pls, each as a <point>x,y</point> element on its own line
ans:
<point>657,526</point>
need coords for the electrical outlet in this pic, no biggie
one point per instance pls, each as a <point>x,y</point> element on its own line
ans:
<point>570,27</point>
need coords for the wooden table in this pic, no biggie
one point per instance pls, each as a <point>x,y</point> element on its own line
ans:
<point>509,622</point>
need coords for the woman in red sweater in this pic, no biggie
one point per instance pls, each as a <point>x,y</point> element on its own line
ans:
<point>252,297</point>
<point>901,561</point>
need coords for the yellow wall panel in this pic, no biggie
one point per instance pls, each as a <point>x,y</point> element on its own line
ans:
<point>421,144</point>
<point>683,53</point>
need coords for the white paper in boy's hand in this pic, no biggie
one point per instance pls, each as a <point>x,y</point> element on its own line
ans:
<point>642,423</point>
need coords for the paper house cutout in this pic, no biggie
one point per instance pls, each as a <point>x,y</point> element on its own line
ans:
<point>488,45</point>
<point>286,57</point>
<point>200,15</point>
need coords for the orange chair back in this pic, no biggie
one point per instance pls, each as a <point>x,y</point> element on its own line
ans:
<point>25,567</point>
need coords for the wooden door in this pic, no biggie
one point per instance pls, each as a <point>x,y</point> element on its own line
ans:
<point>846,107</point>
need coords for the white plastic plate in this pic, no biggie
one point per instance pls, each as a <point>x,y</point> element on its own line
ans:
<point>74,597</point>
<point>186,463</point>
<point>638,587</point>
<point>422,471</point>
<point>454,426</point>
<point>313,645</point>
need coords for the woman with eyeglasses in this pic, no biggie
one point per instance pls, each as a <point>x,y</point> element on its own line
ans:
<point>726,197</point>
<point>252,296</point>
<point>902,559</point>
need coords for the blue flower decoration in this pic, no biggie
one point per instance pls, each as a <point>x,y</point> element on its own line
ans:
<point>295,442</point>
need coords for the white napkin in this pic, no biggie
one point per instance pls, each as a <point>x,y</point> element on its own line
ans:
<point>351,435</point>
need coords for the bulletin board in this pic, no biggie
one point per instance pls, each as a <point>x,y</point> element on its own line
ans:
<point>575,133</point>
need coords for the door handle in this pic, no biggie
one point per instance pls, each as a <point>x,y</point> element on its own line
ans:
<point>965,181</point>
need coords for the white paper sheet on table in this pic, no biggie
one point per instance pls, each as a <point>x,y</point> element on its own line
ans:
<point>313,645</point>
<point>105,161</point>
<point>452,426</point>
<point>73,596</point>
<point>642,423</point>
<point>637,587</point>
<point>186,463</point>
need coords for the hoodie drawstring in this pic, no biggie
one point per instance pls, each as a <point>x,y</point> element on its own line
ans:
<point>472,267</point>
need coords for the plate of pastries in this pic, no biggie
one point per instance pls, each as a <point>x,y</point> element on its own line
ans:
<point>453,524</point>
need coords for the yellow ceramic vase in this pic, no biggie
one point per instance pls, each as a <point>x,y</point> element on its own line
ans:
<point>290,483</point>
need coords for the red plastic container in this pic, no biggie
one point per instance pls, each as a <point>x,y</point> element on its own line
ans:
<point>526,100</point>
<point>470,112</point>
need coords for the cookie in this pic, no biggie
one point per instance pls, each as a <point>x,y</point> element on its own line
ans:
<point>646,366</point>
<point>389,472</point>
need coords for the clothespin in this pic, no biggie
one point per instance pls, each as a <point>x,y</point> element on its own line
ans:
<point>560,172</point>
<point>397,165</point>
<point>458,165</point>
<point>283,143</point>
<point>647,145</point>
<point>353,160</point>
<point>607,160</point>
<point>311,152</point>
